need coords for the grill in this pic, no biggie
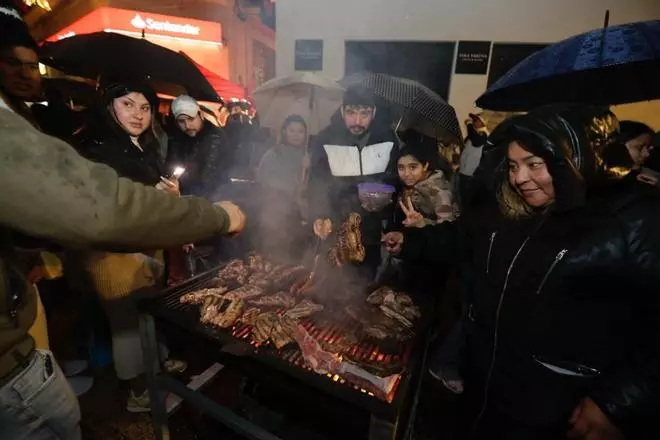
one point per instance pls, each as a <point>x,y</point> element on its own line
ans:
<point>326,328</point>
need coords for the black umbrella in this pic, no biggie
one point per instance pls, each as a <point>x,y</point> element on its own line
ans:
<point>418,106</point>
<point>103,53</point>
<point>613,65</point>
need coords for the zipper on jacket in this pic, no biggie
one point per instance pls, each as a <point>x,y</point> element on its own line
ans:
<point>558,258</point>
<point>490,250</point>
<point>360,157</point>
<point>497,325</point>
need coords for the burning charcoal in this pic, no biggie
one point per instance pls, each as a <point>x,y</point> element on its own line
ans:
<point>280,300</point>
<point>304,309</point>
<point>229,317</point>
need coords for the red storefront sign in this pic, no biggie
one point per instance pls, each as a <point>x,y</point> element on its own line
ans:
<point>153,25</point>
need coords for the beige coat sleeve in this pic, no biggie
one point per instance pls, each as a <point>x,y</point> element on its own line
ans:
<point>47,190</point>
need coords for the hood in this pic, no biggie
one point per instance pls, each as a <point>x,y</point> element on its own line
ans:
<point>574,141</point>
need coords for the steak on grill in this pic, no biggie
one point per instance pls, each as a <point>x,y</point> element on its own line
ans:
<point>263,327</point>
<point>280,299</point>
<point>304,309</point>
<point>198,296</point>
<point>230,315</point>
<point>236,271</point>
<point>283,332</point>
<point>245,292</point>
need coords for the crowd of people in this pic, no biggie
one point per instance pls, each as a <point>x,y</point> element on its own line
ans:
<point>550,218</point>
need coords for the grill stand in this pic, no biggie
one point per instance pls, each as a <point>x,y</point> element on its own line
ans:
<point>159,383</point>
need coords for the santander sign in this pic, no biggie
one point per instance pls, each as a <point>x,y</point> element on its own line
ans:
<point>164,26</point>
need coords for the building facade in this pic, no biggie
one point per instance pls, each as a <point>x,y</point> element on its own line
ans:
<point>228,38</point>
<point>396,36</point>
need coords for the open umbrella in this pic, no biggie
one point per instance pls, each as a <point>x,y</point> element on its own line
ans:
<point>104,53</point>
<point>309,95</point>
<point>613,65</point>
<point>418,106</point>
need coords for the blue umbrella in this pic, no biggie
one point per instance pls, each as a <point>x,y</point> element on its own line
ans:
<point>613,65</point>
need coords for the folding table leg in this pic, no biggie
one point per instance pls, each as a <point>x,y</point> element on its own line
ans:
<point>152,370</point>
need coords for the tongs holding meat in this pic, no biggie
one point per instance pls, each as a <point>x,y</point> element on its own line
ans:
<point>306,283</point>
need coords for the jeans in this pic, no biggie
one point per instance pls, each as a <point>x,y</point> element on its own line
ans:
<point>38,404</point>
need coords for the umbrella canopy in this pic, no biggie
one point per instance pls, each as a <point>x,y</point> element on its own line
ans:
<point>225,88</point>
<point>418,106</point>
<point>613,65</point>
<point>309,95</point>
<point>104,53</point>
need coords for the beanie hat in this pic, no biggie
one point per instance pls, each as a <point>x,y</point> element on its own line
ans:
<point>15,32</point>
<point>115,87</point>
<point>185,105</point>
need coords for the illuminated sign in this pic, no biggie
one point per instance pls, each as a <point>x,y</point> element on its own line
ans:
<point>133,23</point>
<point>164,26</point>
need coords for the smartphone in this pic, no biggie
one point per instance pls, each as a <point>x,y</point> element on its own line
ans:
<point>178,172</point>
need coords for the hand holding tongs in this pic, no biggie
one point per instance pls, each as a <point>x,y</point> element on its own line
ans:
<point>316,254</point>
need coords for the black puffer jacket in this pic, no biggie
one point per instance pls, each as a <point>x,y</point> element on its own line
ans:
<point>334,196</point>
<point>566,302</point>
<point>206,158</point>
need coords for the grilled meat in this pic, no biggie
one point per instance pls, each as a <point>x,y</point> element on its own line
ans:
<point>304,309</point>
<point>280,299</point>
<point>396,316</point>
<point>211,308</point>
<point>396,305</point>
<point>236,271</point>
<point>377,297</point>
<point>288,276</point>
<point>348,247</point>
<point>377,325</point>
<point>250,315</point>
<point>245,292</point>
<point>379,368</point>
<point>199,296</point>
<point>259,279</point>
<point>283,332</point>
<point>256,262</point>
<point>263,327</point>
<point>230,315</point>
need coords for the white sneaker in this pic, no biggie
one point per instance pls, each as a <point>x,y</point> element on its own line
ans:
<point>138,404</point>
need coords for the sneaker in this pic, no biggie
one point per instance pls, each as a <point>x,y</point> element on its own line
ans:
<point>138,404</point>
<point>81,384</point>
<point>449,379</point>
<point>174,366</point>
<point>74,367</point>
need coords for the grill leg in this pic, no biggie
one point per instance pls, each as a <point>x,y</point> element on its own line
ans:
<point>380,429</point>
<point>152,370</point>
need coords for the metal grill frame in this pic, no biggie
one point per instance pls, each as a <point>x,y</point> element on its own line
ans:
<point>166,310</point>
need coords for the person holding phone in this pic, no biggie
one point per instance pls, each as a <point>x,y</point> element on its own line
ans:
<point>123,136</point>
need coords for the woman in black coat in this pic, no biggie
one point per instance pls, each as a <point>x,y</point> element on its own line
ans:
<point>563,335</point>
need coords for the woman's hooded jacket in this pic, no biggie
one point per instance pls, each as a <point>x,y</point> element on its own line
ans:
<point>565,300</point>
